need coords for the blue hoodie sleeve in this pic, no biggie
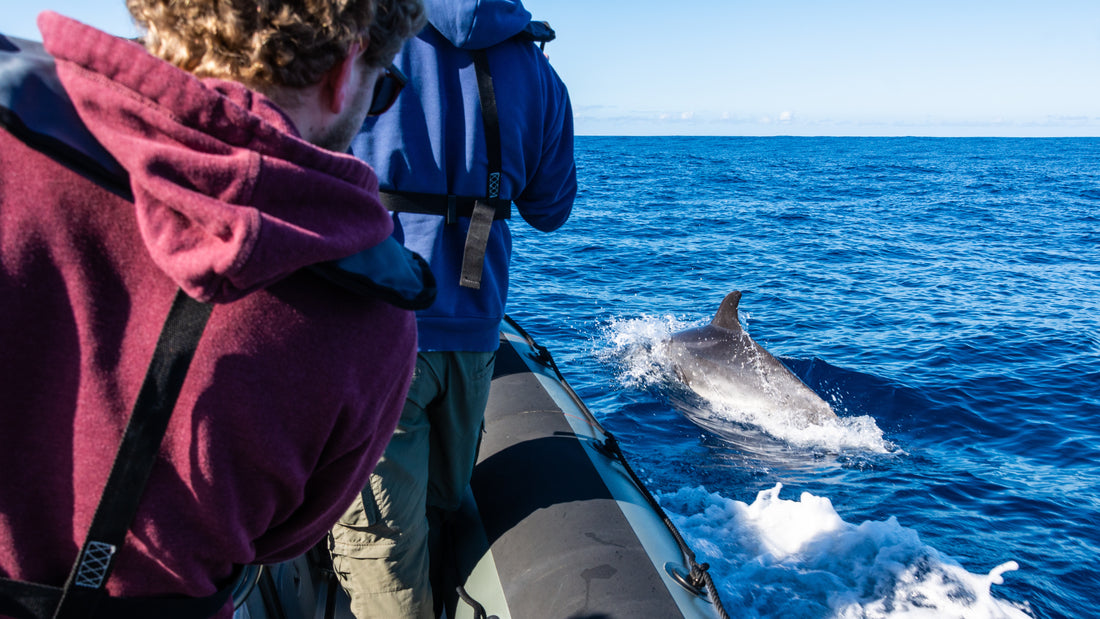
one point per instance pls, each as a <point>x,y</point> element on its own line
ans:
<point>547,200</point>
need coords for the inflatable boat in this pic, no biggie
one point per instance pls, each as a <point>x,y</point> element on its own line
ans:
<point>555,524</point>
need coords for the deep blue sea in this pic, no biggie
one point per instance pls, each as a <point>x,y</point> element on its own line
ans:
<point>942,294</point>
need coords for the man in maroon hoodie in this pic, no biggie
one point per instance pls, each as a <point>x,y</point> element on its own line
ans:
<point>202,166</point>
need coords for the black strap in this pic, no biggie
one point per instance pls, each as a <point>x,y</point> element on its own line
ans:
<point>84,589</point>
<point>450,207</point>
<point>481,211</point>
<point>136,455</point>
<point>477,238</point>
<point>491,121</point>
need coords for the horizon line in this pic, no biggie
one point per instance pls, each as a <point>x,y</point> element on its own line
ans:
<point>833,135</point>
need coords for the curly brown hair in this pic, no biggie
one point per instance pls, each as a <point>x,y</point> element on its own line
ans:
<point>282,42</point>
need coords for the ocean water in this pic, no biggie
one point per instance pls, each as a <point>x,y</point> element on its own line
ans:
<point>943,295</point>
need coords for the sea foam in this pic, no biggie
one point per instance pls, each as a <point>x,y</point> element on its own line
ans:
<point>783,558</point>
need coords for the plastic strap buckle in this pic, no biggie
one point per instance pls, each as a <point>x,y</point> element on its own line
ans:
<point>95,565</point>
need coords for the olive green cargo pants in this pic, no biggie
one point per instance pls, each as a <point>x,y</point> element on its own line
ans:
<point>380,546</point>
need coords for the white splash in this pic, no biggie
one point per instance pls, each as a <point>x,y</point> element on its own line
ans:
<point>782,558</point>
<point>632,345</point>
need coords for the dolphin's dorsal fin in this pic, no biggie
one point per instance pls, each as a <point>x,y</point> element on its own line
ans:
<point>727,312</point>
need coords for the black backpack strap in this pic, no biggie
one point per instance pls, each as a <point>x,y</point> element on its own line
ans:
<point>136,455</point>
<point>481,211</point>
<point>84,589</point>
<point>450,207</point>
<point>481,221</point>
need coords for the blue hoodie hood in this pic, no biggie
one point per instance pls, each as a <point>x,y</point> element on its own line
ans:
<point>477,24</point>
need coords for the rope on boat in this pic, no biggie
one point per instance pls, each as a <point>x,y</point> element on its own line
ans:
<point>698,576</point>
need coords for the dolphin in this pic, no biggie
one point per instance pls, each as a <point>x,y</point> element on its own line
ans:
<point>721,363</point>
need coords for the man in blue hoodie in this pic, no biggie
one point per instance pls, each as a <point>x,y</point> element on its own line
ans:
<point>484,123</point>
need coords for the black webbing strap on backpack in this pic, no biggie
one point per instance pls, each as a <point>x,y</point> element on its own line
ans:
<point>481,211</point>
<point>477,239</point>
<point>84,591</point>
<point>451,207</point>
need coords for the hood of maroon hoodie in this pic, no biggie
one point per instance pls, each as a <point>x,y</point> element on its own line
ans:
<point>228,197</point>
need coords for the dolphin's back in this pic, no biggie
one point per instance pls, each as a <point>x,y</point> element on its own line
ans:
<point>722,363</point>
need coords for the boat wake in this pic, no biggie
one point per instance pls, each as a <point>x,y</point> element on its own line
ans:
<point>632,345</point>
<point>784,558</point>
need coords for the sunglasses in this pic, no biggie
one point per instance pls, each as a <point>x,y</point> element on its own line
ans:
<point>386,90</point>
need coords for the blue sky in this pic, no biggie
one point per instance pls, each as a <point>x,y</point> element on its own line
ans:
<point>800,67</point>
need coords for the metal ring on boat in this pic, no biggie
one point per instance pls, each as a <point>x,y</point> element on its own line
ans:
<point>680,573</point>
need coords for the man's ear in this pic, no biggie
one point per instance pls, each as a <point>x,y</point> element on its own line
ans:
<point>338,80</point>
